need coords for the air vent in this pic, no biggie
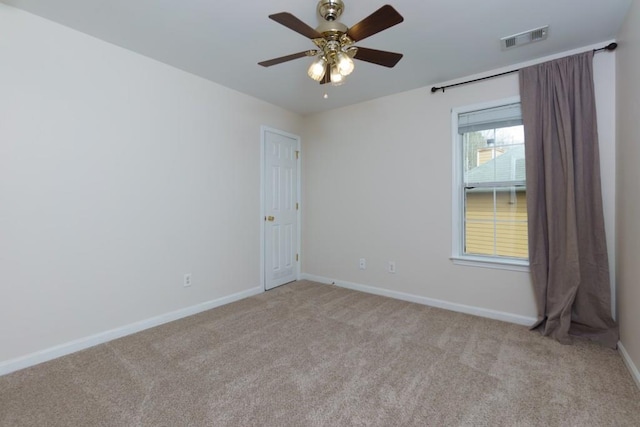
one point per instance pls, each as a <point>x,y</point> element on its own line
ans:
<point>516,40</point>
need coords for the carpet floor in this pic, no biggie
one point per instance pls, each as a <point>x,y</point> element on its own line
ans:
<point>307,354</point>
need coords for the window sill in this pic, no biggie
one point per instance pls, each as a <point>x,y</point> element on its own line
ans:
<point>483,262</point>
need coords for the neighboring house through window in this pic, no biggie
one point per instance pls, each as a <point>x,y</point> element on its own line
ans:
<point>490,205</point>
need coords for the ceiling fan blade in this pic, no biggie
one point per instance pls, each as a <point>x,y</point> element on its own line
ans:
<point>291,57</point>
<point>381,19</point>
<point>379,57</point>
<point>293,23</point>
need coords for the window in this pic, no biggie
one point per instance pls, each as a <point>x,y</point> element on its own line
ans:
<point>490,205</point>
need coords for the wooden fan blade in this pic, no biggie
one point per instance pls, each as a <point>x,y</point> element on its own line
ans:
<point>381,19</point>
<point>379,57</point>
<point>291,57</point>
<point>293,23</point>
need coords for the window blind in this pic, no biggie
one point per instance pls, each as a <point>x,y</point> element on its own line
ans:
<point>491,118</point>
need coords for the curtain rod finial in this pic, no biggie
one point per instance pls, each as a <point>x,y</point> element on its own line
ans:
<point>610,47</point>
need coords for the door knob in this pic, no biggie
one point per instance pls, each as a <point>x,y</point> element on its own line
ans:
<point>271,218</point>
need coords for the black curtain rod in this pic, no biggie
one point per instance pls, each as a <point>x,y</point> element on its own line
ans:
<point>609,47</point>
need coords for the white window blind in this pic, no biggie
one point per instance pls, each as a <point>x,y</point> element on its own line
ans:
<point>490,118</point>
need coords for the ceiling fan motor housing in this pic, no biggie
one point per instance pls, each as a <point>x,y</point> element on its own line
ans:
<point>330,10</point>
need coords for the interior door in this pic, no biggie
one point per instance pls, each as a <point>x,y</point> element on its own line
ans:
<point>280,208</point>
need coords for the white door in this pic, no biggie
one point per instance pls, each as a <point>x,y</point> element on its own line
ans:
<point>280,208</point>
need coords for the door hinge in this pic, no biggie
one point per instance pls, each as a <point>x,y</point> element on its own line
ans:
<point>297,206</point>
<point>297,154</point>
<point>296,257</point>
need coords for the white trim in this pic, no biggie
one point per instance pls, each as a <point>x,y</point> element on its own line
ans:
<point>633,369</point>
<point>263,130</point>
<point>452,306</point>
<point>319,279</point>
<point>51,353</point>
<point>299,195</point>
<point>496,263</point>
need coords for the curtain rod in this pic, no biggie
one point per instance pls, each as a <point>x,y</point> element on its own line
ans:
<point>609,47</point>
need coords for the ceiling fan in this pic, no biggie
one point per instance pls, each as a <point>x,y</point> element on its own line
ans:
<point>335,41</point>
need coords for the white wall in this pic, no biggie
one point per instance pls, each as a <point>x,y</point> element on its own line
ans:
<point>628,180</point>
<point>377,185</point>
<point>117,175</point>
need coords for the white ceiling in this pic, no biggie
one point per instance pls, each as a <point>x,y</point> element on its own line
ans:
<point>223,40</point>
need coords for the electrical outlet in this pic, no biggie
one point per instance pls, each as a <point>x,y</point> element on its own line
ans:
<point>187,280</point>
<point>392,267</point>
<point>363,264</point>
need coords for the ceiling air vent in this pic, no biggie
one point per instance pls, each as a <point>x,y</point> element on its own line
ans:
<point>526,37</point>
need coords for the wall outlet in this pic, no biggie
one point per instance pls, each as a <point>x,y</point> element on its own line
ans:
<point>362,264</point>
<point>187,280</point>
<point>392,267</point>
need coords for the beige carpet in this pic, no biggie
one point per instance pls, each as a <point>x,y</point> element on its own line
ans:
<point>311,354</point>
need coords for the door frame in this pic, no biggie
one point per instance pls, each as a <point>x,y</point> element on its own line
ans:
<point>263,131</point>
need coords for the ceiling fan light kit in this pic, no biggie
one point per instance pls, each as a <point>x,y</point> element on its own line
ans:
<point>317,68</point>
<point>334,40</point>
<point>345,63</point>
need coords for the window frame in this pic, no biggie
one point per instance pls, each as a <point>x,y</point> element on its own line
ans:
<point>457,250</point>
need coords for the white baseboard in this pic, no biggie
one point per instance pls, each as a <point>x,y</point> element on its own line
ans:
<point>461,308</point>
<point>633,369</point>
<point>45,355</point>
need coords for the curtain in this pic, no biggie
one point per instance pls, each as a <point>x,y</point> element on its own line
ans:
<point>567,247</point>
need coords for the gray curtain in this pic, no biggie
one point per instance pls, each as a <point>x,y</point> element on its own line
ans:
<point>567,248</point>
